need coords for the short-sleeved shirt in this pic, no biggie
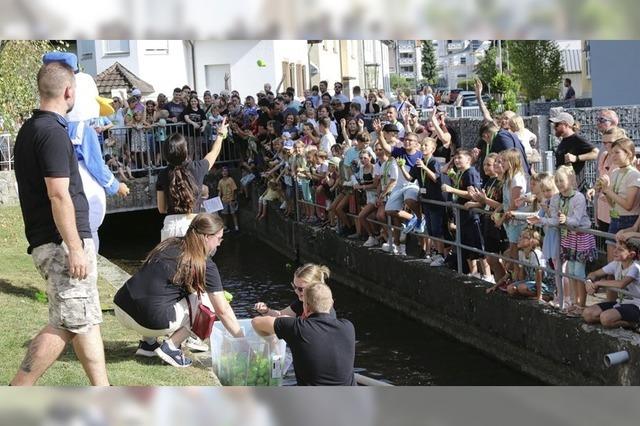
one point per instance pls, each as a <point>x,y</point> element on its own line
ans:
<point>175,109</point>
<point>197,169</point>
<point>43,149</point>
<point>409,159</point>
<point>518,180</point>
<point>226,189</point>
<point>575,145</point>
<point>470,177</point>
<point>621,181</point>
<point>433,190</point>
<point>504,140</point>
<point>298,308</point>
<point>387,171</point>
<point>323,349</point>
<point>326,142</point>
<point>615,268</point>
<point>149,295</point>
<point>197,116</point>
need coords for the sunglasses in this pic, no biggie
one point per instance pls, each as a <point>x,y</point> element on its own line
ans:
<point>297,288</point>
<point>604,120</point>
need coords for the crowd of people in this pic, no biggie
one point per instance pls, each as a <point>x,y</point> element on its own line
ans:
<point>356,166</point>
<point>338,165</point>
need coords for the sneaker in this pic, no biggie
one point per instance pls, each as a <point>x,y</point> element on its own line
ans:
<point>421,225</point>
<point>475,275</point>
<point>196,345</point>
<point>371,242</point>
<point>428,259</point>
<point>410,225</point>
<point>146,349</point>
<point>389,248</point>
<point>173,357</point>
<point>489,279</point>
<point>437,260</point>
<point>402,250</point>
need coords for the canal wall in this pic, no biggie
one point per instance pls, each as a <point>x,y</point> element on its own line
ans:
<point>530,337</point>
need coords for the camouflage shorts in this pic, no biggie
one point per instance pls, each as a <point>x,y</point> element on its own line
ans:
<point>74,304</point>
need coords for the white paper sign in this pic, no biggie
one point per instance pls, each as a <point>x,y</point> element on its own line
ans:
<point>213,205</point>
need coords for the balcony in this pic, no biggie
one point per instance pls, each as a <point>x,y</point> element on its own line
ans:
<point>455,45</point>
<point>406,61</point>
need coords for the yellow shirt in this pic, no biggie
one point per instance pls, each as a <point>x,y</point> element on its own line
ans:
<point>226,189</point>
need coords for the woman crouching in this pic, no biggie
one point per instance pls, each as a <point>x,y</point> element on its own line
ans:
<point>153,302</point>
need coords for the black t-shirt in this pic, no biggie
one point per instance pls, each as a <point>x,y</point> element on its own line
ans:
<point>323,349</point>
<point>149,295</point>
<point>197,116</point>
<point>433,190</point>
<point>197,169</point>
<point>298,308</point>
<point>43,149</point>
<point>575,145</point>
<point>470,177</point>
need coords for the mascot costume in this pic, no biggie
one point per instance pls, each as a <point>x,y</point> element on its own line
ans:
<point>96,176</point>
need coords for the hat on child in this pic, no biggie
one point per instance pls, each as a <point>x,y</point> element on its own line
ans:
<point>335,161</point>
<point>288,144</point>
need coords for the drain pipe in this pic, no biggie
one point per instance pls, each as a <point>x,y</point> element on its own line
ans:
<point>616,358</point>
<point>193,63</point>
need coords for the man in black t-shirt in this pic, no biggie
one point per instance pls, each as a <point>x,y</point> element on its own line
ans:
<point>323,347</point>
<point>176,106</point>
<point>56,219</point>
<point>572,150</point>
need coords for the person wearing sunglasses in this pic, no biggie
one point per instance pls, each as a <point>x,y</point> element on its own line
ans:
<point>302,277</point>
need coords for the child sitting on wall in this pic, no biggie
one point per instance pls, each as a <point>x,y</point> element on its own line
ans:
<point>531,280</point>
<point>626,273</point>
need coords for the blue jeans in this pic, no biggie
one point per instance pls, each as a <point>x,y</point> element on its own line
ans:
<point>622,222</point>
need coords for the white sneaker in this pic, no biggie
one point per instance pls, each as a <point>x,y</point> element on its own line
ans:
<point>428,259</point>
<point>371,242</point>
<point>389,247</point>
<point>475,275</point>
<point>437,260</point>
<point>195,344</point>
<point>402,250</point>
<point>283,206</point>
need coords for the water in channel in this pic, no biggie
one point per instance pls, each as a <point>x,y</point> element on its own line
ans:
<point>390,346</point>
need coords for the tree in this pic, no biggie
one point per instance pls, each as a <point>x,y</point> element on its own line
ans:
<point>506,89</point>
<point>487,69</point>
<point>538,67</point>
<point>429,65</point>
<point>399,82</point>
<point>20,61</point>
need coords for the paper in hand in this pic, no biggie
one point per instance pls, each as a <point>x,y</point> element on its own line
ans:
<point>212,205</point>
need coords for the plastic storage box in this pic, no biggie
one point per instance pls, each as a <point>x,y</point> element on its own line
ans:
<point>247,361</point>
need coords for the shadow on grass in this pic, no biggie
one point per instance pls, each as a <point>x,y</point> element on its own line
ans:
<point>116,351</point>
<point>29,292</point>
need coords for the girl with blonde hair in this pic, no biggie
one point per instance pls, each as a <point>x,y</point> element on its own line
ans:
<point>305,275</point>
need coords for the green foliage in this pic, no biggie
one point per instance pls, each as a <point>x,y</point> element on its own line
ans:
<point>506,89</point>
<point>429,63</point>
<point>20,61</point>
<point>467,84</point>
<point>486,69</point>
<point>398,82</point>
<point>503,83</point>
<point>538,67</point>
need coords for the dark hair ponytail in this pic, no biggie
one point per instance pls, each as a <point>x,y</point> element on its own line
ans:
<point>181,186</point>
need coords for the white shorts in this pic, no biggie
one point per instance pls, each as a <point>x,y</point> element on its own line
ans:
<point>399,196</point>
<point>175,225</point>
<point>182,318</point>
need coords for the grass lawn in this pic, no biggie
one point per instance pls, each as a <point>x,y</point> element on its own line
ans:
<point>24,313</point>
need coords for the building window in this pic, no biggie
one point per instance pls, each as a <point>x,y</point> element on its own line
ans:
<point>116,47</point>
<point>463,60</point>
<point>406,69</point>
<point>156,47</point>
<point>406,55</point>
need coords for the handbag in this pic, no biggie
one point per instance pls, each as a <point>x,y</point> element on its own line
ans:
<point>202,321</point>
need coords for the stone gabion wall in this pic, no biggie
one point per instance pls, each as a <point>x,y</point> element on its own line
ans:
<point>543,108</point>
<point>8,189</point>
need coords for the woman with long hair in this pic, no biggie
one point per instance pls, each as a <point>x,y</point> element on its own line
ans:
<point>178,186</point>
<point>155,301</point>
<point>304,276</point>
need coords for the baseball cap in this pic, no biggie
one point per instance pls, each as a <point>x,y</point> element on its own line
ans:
<point>66,57</point>
<point>390,128</point>
<point>136,92</point>
<point>288,144</point>
<point>563,117</point>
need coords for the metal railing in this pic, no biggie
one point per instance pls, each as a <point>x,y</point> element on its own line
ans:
<point>558,272</point>
<point>6,154</point>
<point>142,149</point>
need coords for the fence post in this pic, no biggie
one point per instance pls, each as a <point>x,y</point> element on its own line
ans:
<point>295,197</point>
<point>456,212</point>
<point>558,271</point>
<point>389,232</point>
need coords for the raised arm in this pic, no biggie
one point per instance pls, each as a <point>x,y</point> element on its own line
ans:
<point>483,108</point>
<point>217,145</point>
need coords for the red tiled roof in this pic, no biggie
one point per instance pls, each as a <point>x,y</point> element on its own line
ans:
<point>117,76</point>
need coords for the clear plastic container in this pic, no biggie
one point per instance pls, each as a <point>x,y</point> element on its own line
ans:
<point>247,361</point>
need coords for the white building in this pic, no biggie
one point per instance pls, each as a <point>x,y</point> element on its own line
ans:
<point>407,59</point>
<point>363,63</point>
<point>166,64</point>
<point>457,59</point>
